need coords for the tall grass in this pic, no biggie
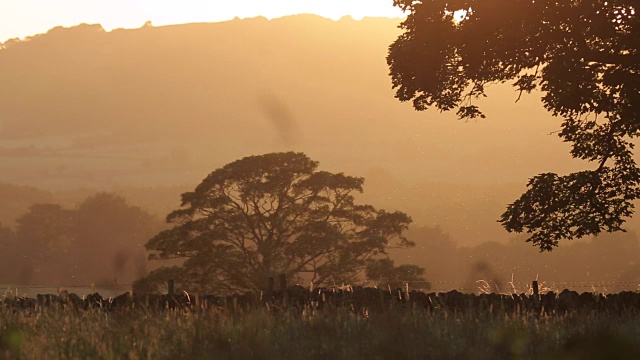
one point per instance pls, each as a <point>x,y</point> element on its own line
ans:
<point>55,333</point>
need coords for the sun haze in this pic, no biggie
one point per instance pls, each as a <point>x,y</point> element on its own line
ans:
<point>21,18</point>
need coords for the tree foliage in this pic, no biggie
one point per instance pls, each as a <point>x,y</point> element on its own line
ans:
<point>99,241</point>
<point>261,216</point>
<point>46,230</point>
<point>584,58</point>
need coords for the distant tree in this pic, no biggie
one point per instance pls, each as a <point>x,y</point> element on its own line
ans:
<point>583,55</point>
<point>46,230</point>
<point>99,241</point>
<point>45,236</point>
<point>435,250</point>
<point>386,274</point>
<point>266,215</point>
<point>9,260</point>
<point>110,236</point>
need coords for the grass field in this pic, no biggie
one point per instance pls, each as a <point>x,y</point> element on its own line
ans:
<point>57,333</point>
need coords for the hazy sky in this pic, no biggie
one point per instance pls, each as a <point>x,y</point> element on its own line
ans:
<point>20,18</point>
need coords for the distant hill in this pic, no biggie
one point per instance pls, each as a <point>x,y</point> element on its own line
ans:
<point>164,106</point>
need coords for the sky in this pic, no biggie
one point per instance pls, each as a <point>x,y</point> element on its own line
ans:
<point>22,18</point>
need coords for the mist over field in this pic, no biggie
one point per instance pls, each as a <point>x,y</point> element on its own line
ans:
<point>147,113</point>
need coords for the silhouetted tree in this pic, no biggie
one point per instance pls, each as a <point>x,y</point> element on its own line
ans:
<point>265,215</point>
<point>582,55</point>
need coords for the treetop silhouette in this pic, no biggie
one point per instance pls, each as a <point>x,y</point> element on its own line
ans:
<point>582,56</point>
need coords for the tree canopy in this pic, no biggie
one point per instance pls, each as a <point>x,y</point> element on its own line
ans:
<point>583,56</point>
<point>100,241</point>
<point>272,214</point>
<point>386,274</point>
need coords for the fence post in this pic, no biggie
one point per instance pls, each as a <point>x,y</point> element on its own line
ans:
<point>170,286</point>
<point>534,285</point>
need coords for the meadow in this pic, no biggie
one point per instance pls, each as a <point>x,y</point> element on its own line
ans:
<point>334,333</point>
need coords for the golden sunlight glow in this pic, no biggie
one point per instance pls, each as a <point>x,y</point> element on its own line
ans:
<point>20,18</point>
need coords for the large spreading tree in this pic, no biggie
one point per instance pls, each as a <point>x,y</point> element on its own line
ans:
<point>273,214</point>
<point>582,55</point>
